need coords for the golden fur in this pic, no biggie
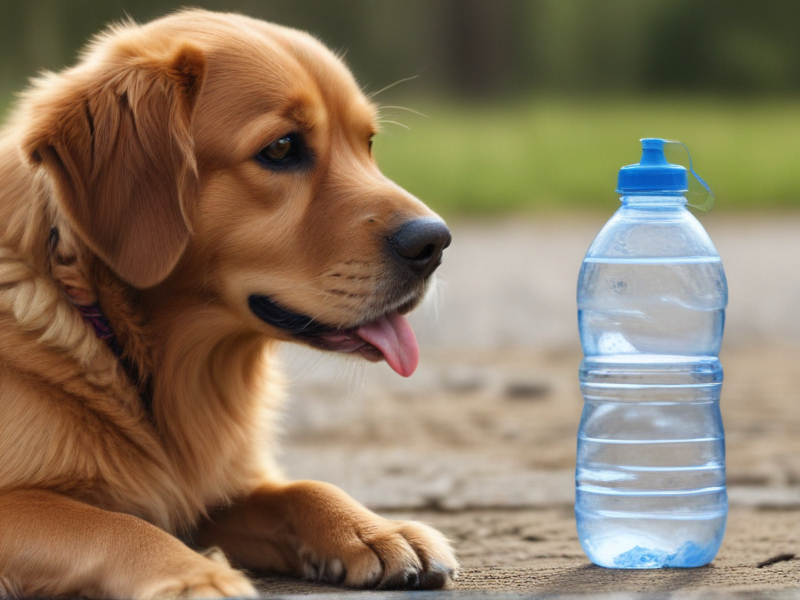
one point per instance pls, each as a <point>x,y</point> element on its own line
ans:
<point>141,158</point>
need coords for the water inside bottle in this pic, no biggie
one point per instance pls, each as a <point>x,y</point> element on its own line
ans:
<point>652,306</point>
<point>651,458</point>
<point>651,461</point>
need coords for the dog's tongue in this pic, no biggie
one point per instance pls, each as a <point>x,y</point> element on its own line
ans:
<point>393,336</point>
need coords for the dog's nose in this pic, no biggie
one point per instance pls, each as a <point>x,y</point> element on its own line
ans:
<point>420,243</point>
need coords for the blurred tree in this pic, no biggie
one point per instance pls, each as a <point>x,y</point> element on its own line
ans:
<point>725,45</point>
<point>478,43</point>
<point>478,48</point>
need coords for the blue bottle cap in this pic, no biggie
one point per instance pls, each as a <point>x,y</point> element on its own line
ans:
<point>653,174</point>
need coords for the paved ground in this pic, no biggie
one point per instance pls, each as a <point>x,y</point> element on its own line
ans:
<point>536,551</point>
<point>481,441</point>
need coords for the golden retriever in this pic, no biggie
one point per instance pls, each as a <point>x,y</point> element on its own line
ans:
<point>194,192</point>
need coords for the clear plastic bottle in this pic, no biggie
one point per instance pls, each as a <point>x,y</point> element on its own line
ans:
<point>650,477</point>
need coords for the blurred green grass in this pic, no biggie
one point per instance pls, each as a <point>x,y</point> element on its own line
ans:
<point>554,155</point>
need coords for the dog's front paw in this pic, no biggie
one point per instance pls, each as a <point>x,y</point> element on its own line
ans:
<point>209,578</point>
<point>350,545</point>
<point>383,554</point>
<point>430,563</point>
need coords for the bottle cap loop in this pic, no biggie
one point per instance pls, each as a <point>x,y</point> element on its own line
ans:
<point>653,175</point>
<point>701,199</point>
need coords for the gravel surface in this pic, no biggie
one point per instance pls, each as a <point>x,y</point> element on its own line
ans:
<point>480,442</point>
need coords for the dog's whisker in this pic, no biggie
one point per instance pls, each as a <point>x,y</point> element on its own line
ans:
<point>354,374</point>
<point>390,86</point>
<point>324,294</point>
<point>395,123</point>
<point>434,297</point>
<point>293,287</point>
<point>311,281</point>
<point>306,361</point>
<point>411,110</point>
<point>358,379</point>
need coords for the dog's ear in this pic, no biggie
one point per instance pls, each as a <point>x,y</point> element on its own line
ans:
<point>116,141</point>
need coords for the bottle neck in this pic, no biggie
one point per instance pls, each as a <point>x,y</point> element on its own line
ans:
<point>653,201</point>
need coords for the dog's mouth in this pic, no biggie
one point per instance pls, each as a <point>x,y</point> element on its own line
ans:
<point>389,337</point>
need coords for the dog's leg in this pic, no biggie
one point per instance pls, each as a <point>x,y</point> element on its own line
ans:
<point>53,545</point>
<point>317,531</point>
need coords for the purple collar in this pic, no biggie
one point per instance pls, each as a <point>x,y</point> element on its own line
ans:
<point>102,328</point>
<point>94,315</point>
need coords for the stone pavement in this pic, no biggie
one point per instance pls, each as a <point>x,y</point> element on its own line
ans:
<point>481,441</point>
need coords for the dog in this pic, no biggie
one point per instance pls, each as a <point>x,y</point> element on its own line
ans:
<point>193,193</point>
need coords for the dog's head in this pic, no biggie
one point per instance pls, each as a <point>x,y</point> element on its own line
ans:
<point>229,158</point>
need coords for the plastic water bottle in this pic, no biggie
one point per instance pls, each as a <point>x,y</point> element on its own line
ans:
<point>650,477</point>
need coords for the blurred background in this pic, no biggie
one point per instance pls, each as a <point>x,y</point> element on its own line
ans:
<point>512,118</point>
<point>528,104</point>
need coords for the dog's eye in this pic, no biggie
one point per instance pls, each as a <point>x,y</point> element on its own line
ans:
<point>278,149</point>
<point>284,152</point>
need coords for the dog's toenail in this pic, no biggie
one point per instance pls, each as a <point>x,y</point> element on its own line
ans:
<point>412,580</point>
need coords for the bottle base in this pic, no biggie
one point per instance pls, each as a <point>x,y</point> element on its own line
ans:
<point>645,544</point>
<point>689,555</point>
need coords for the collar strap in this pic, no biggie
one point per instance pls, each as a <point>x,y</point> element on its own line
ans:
<point>94,315</point>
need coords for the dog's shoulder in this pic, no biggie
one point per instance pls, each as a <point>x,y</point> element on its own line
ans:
<point>70,418</point>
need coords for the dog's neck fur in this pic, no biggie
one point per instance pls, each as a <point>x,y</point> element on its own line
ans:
<point>203,354</point>
<point>134,356</point>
